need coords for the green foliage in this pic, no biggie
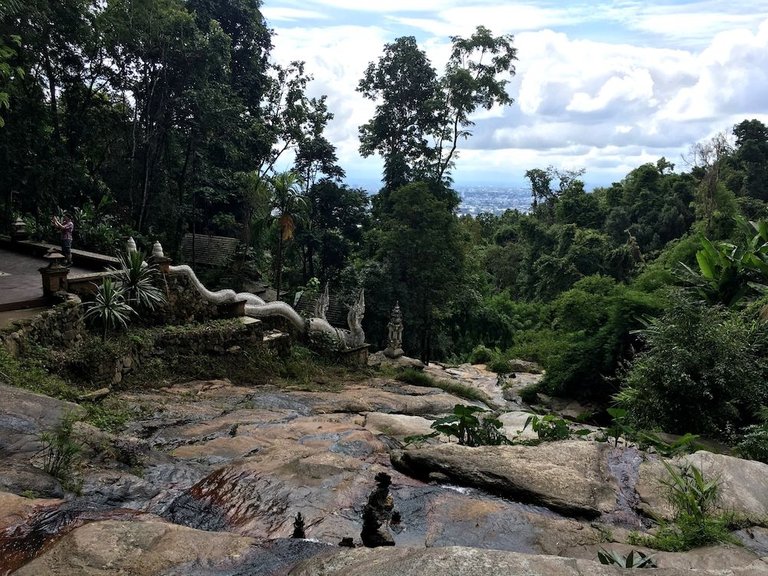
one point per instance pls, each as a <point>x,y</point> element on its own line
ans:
<point>139,281</point>
<point>32,372</point>
<point>550,427</point>
<point>621,427</point>
<point>110,415</point>
<point>419,378</point>
<point>635,559</point>
<point>61,452</point>
<point>499,364</point>
<point>590,335</point>
<point>415,377</point>
<point>693,498</point>
<point>471,426</point>
<point>462,390</point>
<point>703,372</point>
<point>530,393</point>
<point>109,308</point>
<point>422,260</point>
<point>730,272</point>
<point>480,355</point>
<point>753,443</point>
<point>420,117</point>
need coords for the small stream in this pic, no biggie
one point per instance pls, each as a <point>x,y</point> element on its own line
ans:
<point>624,465</point>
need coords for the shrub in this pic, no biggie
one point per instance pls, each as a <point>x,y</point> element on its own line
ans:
<point>703,372</point>
<point>754,443</point>
<point>109,308</point>
<point>480,355</point>
<point>419,378</point>
<point>590,335</point>
<point>499,364</point>
<point>551,427</point>
<point>139,281</point>
<point>693,498</point>
<point>470,425</point>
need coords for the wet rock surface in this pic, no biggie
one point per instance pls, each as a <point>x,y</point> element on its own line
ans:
<point>208,478</point>
<point>459,561</point>
<point>568,476</point>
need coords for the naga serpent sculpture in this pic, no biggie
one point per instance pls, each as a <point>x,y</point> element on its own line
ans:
<point>255,307</point>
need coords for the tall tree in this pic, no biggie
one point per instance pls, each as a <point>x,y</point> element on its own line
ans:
<point>474,78</point>
<point>403,83</point>
<point>420,117</point>
<point>422,247</point>
<point>752,154</point>
<point>288,204</point>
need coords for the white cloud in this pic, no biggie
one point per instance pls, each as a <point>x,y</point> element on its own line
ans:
<point>581,100</point>
<point>286,14</point>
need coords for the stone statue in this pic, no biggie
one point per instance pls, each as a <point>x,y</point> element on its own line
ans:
<point>394,347</point>
<point>322,303</point>
<point>342,339</point>
<point>355,321</point>
<point>255,307</point>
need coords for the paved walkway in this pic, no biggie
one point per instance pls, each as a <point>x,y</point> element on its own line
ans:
<point>20,280</point>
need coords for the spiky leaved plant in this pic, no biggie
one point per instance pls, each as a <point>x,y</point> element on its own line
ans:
<point>109,308</point>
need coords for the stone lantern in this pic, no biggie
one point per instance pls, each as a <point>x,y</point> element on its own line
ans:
<point>130,245</point>
<point>19,229</point>
<point>54,275</point>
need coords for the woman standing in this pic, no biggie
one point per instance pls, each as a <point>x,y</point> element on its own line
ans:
<point>67,227</point>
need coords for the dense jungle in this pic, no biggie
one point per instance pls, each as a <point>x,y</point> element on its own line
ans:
<point>156,118</point>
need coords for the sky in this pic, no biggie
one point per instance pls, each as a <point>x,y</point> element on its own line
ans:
<point>603,86</point>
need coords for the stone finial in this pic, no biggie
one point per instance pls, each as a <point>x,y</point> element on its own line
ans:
<point>157,250</point>
<point>130,245</point>
<point>394,347</point>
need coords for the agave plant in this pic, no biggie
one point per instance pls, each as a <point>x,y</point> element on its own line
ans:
<point>109,308</point>
<point>635,559</point>
<point>139,281</point>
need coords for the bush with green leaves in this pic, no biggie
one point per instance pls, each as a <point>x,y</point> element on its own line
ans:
<point>530,393</point>
<point>470,425</point>
<point>704,371</point>
<point>694,499</point>
<point>590,334</point>
<point>420,378</point>
<point>480,355</point>
<point>753,444</point>
<point>551,427</point>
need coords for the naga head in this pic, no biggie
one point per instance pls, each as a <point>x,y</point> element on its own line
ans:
<point>357,312</point>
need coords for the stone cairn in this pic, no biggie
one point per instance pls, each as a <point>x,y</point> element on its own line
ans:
<point>394,347</point>
<point>378,513</point>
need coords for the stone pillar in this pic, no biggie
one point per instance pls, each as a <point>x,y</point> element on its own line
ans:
<point>54,275</point>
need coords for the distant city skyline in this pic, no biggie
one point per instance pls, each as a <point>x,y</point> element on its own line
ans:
<point>605,86</point>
